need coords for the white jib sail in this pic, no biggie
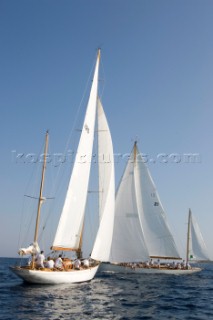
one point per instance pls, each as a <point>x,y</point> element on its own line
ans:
<point>159,239</point>
<point>70,225</point>
<point>103,239</point>
<point>128,243</point>
<point>197,246</point>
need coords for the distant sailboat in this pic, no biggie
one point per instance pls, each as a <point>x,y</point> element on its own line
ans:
<point>196,247</point>
<point>141,231</point>
<point>70,228</point>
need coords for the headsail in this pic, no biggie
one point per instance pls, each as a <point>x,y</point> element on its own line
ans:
<point>69,230</point>
<point>197,249</point>
<point>128,244</point>
<point>103,240</point>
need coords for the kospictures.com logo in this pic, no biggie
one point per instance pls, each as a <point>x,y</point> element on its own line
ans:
<point>57,159</point>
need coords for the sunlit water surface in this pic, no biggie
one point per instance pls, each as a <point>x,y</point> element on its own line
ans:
<point>109,296</point>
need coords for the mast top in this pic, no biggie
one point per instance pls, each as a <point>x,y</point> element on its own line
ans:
<point>99,53</point>
<point>135,150</point>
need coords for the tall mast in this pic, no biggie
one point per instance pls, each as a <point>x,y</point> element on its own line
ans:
<point>41,199</point>
<point>188,236</point>
<point>135,151</point>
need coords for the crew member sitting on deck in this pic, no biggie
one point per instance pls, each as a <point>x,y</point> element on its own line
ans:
<point>67,263</point>
<point>58,262</point>
<point>147,264</point>
<point>158,263</point>
<point>49,263</point>
<point>188,266</point>
<point>85,263</point>
<point>77,264</point>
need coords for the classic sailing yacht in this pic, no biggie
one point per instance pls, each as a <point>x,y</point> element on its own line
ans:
<point>69,232</point>
<point>141,231</point>
<point>196,250</point>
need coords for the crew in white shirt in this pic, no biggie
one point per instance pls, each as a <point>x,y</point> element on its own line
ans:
<point>49,263</point>
<point>59,262</point>
<point>40,260</point>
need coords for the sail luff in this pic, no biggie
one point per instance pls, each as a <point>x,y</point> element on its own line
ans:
<point>68,233</point>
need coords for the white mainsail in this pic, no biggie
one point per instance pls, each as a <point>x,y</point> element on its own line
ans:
<point>159,239</point>
<point>101,249</point>
<point>140,226</point>
<point>69,230</point>
<point>197,249</point>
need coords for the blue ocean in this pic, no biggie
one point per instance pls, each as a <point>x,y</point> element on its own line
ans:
<point>109,296</point>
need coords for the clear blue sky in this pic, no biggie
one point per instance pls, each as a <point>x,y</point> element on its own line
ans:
<point>158,74</point>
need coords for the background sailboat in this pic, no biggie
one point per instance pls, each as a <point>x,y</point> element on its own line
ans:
<point>70,228</point>
<point>196,247</point>
<point>141,230</point>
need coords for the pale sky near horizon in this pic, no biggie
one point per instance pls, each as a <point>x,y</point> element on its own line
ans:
<point>157,74</point>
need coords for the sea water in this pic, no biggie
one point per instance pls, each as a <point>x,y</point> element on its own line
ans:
<point>109,296</point>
